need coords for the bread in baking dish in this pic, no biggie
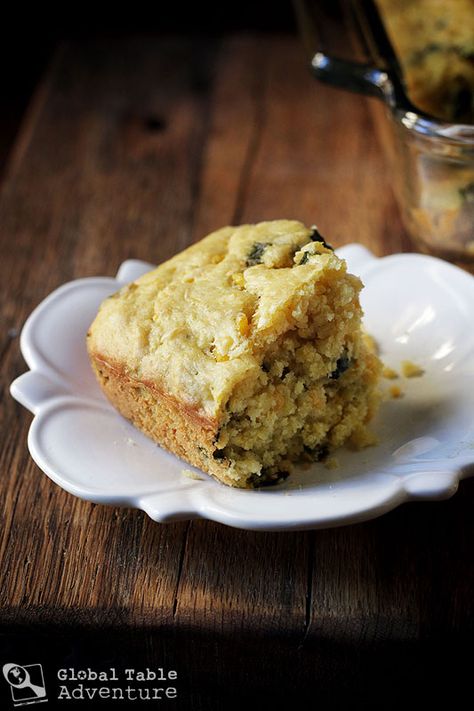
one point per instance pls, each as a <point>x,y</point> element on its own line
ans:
<point>434,43</point>
<point>241,353</point>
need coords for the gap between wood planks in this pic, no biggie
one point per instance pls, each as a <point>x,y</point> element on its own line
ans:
<point>309,589</point>
<point>180,568</point>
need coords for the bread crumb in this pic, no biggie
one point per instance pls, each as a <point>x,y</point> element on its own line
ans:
<point>395,392</point>
<point>389,373</point>
<point>411,370</point>
<point>191,475</point>
<point>331,463</point>
<point>362,438</point>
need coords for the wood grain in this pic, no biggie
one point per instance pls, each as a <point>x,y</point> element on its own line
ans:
<point>94,180</point>
<point>135,148</point>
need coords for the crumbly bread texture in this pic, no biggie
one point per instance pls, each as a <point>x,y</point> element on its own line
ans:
<point>242,353</point>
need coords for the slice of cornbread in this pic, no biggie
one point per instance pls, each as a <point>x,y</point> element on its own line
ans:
<point>242,353</point>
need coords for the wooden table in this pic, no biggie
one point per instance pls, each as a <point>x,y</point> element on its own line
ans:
<point>133,148</point>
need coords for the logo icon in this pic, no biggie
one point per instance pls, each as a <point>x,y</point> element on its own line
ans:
<point>26,683</point>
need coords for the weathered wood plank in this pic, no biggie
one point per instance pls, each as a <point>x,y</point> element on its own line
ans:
<point>106,168</point>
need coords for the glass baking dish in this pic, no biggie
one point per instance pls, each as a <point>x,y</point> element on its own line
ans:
<point>432,160</point>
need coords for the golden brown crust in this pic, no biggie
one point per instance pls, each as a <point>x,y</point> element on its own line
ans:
<point>192,413</point>
<point>174,425</point>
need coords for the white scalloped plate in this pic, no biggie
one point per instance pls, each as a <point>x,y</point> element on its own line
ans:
<point>417,307</point>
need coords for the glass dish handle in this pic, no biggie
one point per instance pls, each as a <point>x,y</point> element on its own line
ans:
<point>354,76</point>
